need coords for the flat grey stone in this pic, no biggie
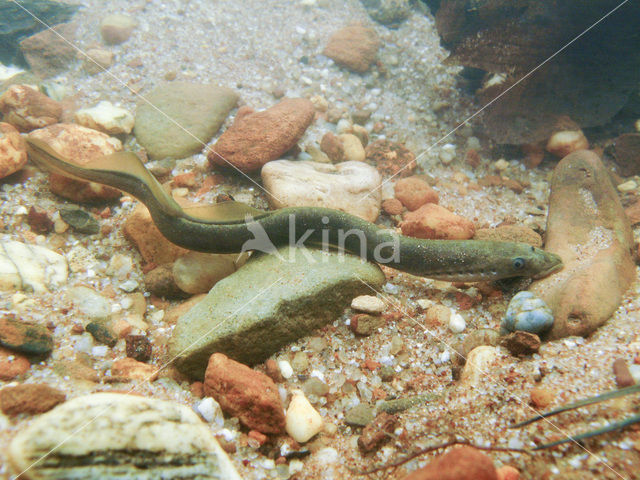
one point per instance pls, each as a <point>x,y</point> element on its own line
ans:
<point>198,110</point>
<point>268,303</point>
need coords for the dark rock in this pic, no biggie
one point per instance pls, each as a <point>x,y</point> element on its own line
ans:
<point>80,220</point>
<point>626,152</point>
<point>102,334</point>
<point>138,347</point>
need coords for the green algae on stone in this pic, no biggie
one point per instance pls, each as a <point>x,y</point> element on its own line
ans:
<point>271,301</point>
<point>176,119</point>
<point>29,339</point>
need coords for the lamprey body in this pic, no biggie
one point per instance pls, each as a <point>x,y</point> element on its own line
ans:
<point>231,227</point>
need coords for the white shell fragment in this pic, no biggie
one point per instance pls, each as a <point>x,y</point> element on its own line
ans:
<point>30,267</point>
<point>302,420</point>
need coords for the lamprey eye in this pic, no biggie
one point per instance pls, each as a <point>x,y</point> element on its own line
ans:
<point>518,263</point>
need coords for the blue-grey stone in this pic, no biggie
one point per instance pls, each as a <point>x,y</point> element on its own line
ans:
<point>528,313</point>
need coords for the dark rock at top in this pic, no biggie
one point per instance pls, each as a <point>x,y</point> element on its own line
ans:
<point>17,23</point>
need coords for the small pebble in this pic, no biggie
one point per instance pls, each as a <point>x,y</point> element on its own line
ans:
<point>541,397</point>
<point>286,370</point>
<point>622,373</point>
<point>210,411</point>
<point>360,415</point>
<point>457,323</point>
<point>302,420</point>
<point>521,343</point>
<point>368,304</point>
<point>477,366</point>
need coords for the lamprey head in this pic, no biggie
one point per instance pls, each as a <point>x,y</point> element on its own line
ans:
<point>541,263</point>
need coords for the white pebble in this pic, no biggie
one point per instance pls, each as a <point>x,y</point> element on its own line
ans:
<point>456,323</point>
<point>424,303</point>
<point>634,370</point>
<point>210,410</point>
<point>368,304</point>
<point>628,186</point>
<point>100,351</point>
<point>302,420</point>
<point>343,126</point>
<point>501,164</point>
<point>286,370</point>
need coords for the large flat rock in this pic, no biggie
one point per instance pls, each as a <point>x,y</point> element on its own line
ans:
<point>270,302</point>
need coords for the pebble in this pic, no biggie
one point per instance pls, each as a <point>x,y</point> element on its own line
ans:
<point>507,472</point>
<point>138,347</point>
<point>210,411</point>
<point>245,393</point>
<point>303,421</point>
<point>102,333</point>
<point>51,51</point>
<point>459,463</point>
<point>117,28</point>
<point>199,109</point>
<point>392,206</point>
<point>26,338</point>
<point>27,109</point>
<point>432,221</point>
<point>105,117</point>
<point>152,245</point>
<point>30,267</point>
<point>315,386</point>
<point>622,374</point>
<point>29,398</point>
<point>414,192</point>
<point>565,142</point>
<point>377,433</point>
<point>628,186</point>
<point>170,437</point>
<point>478,338</point>
<point>477,366</point>
<point>286,370</point>
<point>388,12</point>
<point>332,147</point>
<point>352,187</point>
<point>457,323</point>
<point>256,138</point>
<point>391,158</point>
<point>197,272</point>
<point>80,220</point>
<point>90,303</point>
<point>12,365</point>
<point>13,150</point>
<point>78,145</point>
<point>360,415</point>
<point>368,304</point>
<point>130,369</point>
<point>541,397</point>
<point>521,343</point>
<point>97,60</point>
<point>352,147</point>
<point>365,325</point>
<point>354,47</point>
<point>528,313</point>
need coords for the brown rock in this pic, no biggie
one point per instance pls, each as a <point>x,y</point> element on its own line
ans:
<point>27,109</point>
<point>622,373</point>
<point>626,152</point>
<point>79,145</point>
<point>587,227</point>
<point>273,371</point>
<point>130,369</point>
<point>460,463</point>
<point>633,212</point>
<point>152,245</point>
<point>507,472</point>
<point>29,398</point>
<point>509,233</point>
<point>245,393</point>
<point>117,29</point>
<point>391,158</point>
<point>256,138</point>
<point>541,397</point>
<point>521,343</point>
<point>414,192</point>
<point>354,47</point>
<point>160,282</point>
<point>332,146</point>
<point>378,432</point>
<point>97,60</point>
<point>392,206</point>
<point>13,150</point>
<point>435,222</point>
<point>49,52</point>
<point>12,365</point>
<point>39,220</point>
<point>76,370</point>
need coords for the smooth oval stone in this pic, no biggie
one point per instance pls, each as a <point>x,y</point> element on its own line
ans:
<point>118,436</point>
<point>528,313</point>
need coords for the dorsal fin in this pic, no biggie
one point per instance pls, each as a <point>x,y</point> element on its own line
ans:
<point>224,212</point>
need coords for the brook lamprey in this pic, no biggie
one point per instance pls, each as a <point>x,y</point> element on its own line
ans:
<point>232,227</point>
